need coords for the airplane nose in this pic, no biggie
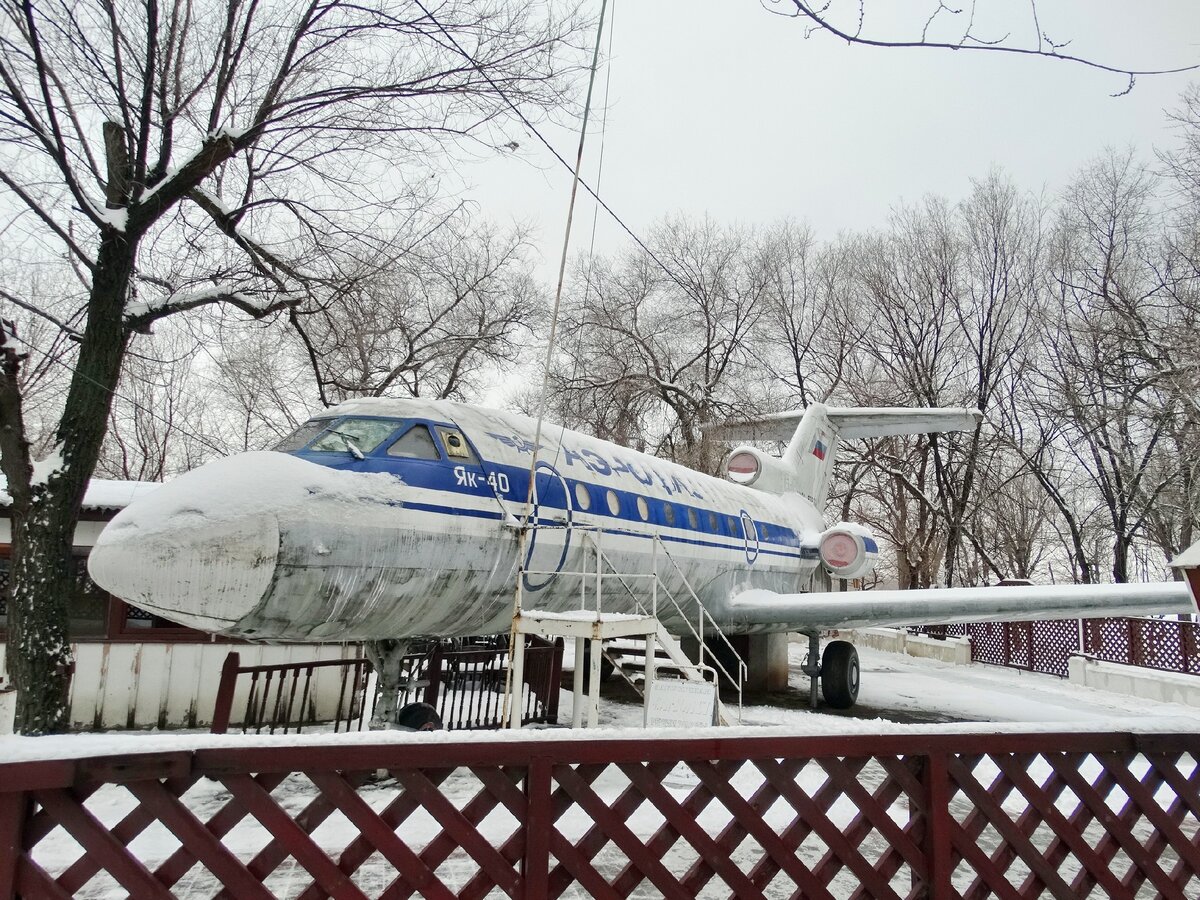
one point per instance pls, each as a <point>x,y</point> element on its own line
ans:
<point>202,549</point>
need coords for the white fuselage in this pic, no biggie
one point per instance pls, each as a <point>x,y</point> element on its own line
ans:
<point>328,546</point>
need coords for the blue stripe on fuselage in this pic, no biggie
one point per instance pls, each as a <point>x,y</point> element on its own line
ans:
<point>487,480</point>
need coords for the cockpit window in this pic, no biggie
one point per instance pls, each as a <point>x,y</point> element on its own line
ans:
<point>416,443</point>
<point>349,435</point>
<point>301,435</point>
<point>456,446</point>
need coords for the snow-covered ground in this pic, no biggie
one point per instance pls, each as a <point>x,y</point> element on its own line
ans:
<point>899,695</point>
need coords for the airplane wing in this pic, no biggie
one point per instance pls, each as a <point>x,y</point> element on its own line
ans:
<point>763,611</point>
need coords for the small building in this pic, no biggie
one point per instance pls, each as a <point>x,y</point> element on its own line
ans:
<point>1188,562</point>
<point>134,669</point>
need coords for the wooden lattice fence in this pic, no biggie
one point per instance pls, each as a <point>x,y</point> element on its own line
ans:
<point>880,816</point>
<point>1168,645</point>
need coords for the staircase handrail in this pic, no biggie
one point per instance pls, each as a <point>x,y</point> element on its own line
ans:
<point>704,614</point>
<point>595,534</point>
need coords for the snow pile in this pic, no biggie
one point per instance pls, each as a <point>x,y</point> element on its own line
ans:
<point>101,493</point>
<point>248,484</point>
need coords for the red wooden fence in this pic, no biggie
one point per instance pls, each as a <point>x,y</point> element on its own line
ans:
<point>1164,644</point>
<point>931,816</point>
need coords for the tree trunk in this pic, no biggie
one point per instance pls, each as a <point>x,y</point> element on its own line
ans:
<point>959,499</point>
<point>1121,558</point>
<point>39,652</point>
<point>45,510</point>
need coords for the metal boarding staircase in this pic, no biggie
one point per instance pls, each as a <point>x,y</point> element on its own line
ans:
<point>592,622</point>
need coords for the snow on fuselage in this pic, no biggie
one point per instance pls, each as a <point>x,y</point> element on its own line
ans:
<point>324,545</point>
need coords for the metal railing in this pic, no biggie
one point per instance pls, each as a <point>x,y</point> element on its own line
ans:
<point>595,535</point>
<point>465,681</point>
<point>284,697</point>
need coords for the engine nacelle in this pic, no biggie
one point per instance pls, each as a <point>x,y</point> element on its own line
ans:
<point>848,550</point>
<point>750,467</point>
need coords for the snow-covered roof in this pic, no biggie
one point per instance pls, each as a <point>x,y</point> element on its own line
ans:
<point>102,493</point>
<point>1189,558</point>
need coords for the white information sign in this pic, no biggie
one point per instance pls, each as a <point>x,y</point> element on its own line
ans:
<point>681,704</point>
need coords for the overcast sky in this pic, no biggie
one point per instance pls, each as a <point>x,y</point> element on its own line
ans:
<point>723,108</point>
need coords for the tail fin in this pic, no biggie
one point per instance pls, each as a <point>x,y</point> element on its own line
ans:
<point>810,454</point>
<point>816,430</point>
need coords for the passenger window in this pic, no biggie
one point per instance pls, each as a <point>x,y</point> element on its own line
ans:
<point>693,519</point>
<point>416,443</point>
<point>614,502</point>
<point>582,498</point>
<point>456,446</point>
<point>669,513</point>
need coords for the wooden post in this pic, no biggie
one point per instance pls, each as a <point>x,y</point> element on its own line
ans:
<point>935,779</point>
<point>539,819</point>
<point>224,703</point>
<point>14,809</point>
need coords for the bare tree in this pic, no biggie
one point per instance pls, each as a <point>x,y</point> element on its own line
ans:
<point>1182,161</point>
<point>263,388</point>
<point>214,153</point>
<point>432,321</point>
<point>1001,234</point>
<point>158,412</point>
<point>957,28</point>
<point>1105,393</point>
<point>41,303</point>
<point>810,313</point>
<point>670,348</point>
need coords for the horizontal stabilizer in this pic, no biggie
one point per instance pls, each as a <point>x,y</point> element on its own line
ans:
<point>761,610</point>
<point>851,422</point>
<point>869,422</point>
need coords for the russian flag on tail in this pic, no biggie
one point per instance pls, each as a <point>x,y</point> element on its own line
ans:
<point>819,449</point>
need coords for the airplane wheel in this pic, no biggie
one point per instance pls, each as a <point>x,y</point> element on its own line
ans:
<point>840,674</point>
<point>419,717</point>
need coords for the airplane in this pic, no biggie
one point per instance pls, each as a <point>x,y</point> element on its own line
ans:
<point>410,518</point>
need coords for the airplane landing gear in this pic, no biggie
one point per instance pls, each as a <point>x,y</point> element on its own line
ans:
<point>812,667</point>
<point>840,674</point>
<point>837,671</point>
<point>385,657</point>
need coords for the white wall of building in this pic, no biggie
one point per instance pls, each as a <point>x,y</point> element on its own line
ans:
<point>174,684</point>
<point>956,650</point>
<point>1149,684</point>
